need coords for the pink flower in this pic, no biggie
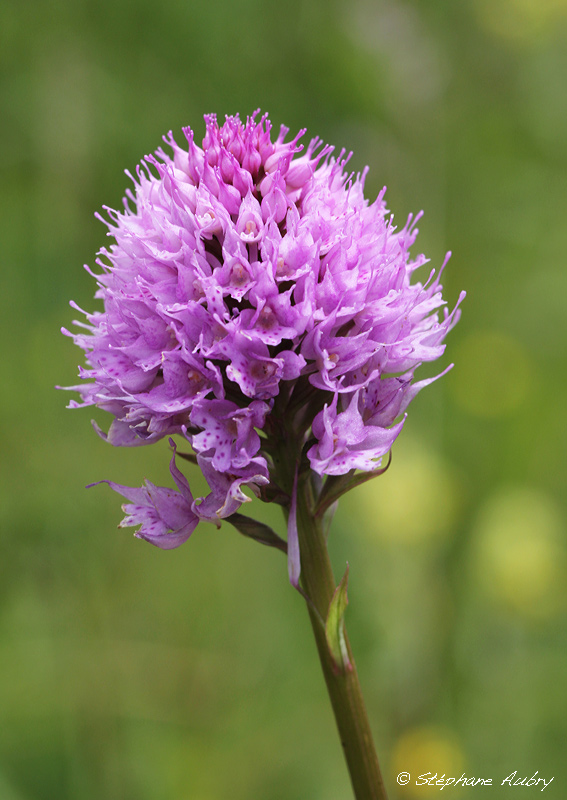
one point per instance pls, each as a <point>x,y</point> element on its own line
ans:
<point>239,273</point>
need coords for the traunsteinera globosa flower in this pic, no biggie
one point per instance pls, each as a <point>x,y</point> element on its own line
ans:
<point>254,298</point>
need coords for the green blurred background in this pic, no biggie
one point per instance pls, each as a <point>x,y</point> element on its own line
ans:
<point>127,673</point>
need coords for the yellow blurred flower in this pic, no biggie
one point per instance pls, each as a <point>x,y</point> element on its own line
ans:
<point>426,750</point>
<point>519,552</point>
<point>521,21</point>
<point>414,501</point>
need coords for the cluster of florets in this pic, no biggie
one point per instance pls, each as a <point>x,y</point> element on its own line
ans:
<point>237,269</point>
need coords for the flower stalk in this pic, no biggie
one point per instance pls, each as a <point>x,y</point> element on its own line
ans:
<point>343,686</point>
<point>318,587</point>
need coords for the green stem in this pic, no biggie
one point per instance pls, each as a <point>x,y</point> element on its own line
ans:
<point>344,688</point>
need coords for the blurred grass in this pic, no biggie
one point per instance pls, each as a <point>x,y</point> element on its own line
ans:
<point>126,672</point>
